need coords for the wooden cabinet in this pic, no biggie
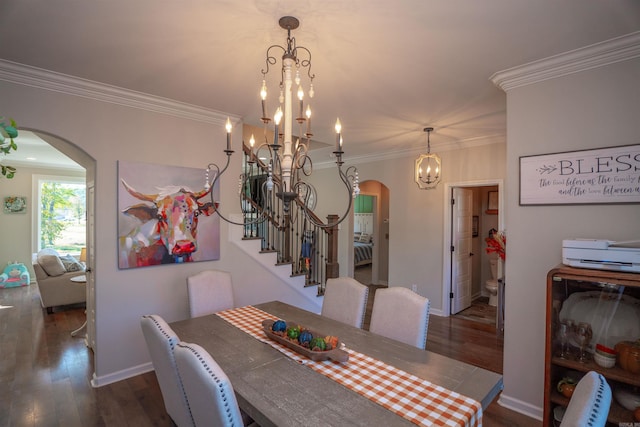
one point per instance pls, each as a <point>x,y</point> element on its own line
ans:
<point>607,299</point>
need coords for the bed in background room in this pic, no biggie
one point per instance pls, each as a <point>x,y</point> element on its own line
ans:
<point>362,249</point>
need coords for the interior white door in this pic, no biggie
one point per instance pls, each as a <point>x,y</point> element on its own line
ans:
<point>461,239</point>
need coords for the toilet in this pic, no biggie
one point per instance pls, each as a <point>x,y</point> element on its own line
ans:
<point>492,284</point>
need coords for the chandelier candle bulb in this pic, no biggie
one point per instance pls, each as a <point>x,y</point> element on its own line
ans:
<point>252,142</point>
<point>263,96</point>
<point>308,114</point>
<point>275,134</point>
<point>338,135</point>
<point>229,128</point>
<point>301,97</point>
<point>276,120</point>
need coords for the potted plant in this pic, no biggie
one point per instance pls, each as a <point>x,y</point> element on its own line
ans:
<point>8,131</point>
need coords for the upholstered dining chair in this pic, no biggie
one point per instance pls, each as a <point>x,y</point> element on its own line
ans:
<point>402,315</point>
<point>161,340</point>
<point>209,291</point>
<point>345,300</point>
<point>589,404</point>
<point>209,391</point>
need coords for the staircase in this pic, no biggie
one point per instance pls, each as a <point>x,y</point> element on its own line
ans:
<point>269,260</point>
<point>299,252</point>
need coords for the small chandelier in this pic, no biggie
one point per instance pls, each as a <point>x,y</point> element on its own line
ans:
<point>287,163</point>
<point>428,167</point>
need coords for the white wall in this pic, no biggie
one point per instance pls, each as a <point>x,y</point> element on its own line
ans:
<point>416,217</point>
<point>109,132</point>
<point>590,109</point>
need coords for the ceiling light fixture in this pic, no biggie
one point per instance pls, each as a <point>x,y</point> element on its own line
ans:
<point>286,163</point>
<point>428,167</point>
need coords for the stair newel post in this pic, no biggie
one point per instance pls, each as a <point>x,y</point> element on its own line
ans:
<point>333,268</point>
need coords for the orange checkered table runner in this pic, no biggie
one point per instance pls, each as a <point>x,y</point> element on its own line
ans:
<point>417,400</point>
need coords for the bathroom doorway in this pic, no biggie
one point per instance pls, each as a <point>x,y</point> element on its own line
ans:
<point>468,269</point>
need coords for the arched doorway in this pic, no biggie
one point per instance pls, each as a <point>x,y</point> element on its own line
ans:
<point>371,230</point>
<point>79,156</point>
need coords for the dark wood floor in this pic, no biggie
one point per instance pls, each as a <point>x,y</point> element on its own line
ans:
<point>45,373</point>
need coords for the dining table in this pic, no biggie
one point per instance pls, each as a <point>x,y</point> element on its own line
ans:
<point>276,389</point>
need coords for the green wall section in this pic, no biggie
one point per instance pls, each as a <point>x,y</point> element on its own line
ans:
<point>363,204</point>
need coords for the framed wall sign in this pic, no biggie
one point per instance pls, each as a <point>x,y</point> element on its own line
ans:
<point>603,175</point>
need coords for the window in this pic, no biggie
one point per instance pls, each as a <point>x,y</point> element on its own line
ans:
<point>61,213</point>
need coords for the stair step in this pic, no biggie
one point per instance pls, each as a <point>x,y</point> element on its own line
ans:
<point>285,263</point>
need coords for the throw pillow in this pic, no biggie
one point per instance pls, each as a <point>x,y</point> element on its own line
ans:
<point>365,238</point>
<point>71,263</point>
<point>51,264</point>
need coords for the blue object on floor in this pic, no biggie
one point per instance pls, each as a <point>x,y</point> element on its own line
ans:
<point>14,275</point>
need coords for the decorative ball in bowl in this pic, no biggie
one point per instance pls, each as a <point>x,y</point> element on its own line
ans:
<point>604,361</point>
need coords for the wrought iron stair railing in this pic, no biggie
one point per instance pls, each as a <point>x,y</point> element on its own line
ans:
<point>310,249</point>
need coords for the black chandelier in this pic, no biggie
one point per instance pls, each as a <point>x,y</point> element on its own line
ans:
<point>286,163</point>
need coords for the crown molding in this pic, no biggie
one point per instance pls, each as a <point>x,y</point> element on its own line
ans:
<point>27,75</point>
<point>596,55</point>
<point>356,159</point>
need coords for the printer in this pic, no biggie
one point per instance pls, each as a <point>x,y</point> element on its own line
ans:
<point>602,254</point>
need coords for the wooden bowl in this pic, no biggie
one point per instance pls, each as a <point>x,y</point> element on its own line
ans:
<point>336,354</point>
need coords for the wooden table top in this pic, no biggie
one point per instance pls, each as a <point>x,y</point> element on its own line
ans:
<point>277,391</point>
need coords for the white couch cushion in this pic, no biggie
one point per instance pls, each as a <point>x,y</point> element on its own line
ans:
<point>50,262</point>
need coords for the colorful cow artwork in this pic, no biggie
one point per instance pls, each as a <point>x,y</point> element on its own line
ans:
<point>163,227</point>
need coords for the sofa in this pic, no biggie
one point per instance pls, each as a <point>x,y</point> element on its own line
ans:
<point>53,276</point>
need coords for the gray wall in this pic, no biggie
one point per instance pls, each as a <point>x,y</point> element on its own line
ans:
<point>416,217</point>
<point>107,132</point>
<point>590,109</point>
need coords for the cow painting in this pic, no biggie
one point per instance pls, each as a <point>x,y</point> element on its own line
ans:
<point>162,227</point>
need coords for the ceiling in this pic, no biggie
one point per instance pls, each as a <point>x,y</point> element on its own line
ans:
<point>386,68</point>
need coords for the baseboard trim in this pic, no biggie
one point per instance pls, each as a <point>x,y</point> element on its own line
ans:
<point>121,375</point>
<point>436,312</point>
<point>521,407</point>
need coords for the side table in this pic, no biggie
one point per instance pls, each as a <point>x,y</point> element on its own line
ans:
<point>80,279</point>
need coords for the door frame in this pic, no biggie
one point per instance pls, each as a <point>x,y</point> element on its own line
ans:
<point>446,248</point>
<point>376,232</point>
<point>380,206</point>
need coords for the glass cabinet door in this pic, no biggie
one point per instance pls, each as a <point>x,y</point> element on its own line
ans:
<point>593,325</point>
